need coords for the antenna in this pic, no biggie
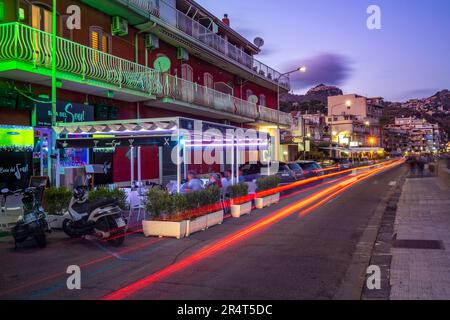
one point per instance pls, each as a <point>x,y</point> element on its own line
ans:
<point>259,42</point>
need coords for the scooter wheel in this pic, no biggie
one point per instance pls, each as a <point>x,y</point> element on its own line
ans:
<point>117,239</point>
<point>41,240</point>
<point>68,230</point>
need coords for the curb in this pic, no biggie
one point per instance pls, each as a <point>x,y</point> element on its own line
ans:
<point>381,252</point>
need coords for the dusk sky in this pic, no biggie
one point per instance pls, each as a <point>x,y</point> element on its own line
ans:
<point>409,57</point>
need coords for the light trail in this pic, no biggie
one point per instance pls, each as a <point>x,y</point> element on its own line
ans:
<point>233,238</point>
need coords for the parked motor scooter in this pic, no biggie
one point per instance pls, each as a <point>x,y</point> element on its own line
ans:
<point>102,218</point>
<point>33,223</point>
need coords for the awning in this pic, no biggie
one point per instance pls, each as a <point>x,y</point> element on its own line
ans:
<point>355,150</point>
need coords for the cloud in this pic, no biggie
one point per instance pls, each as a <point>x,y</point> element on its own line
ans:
<point>326,68</point>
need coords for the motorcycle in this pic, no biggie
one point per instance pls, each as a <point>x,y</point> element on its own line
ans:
<point>33,223</point>
<point>101,218</point>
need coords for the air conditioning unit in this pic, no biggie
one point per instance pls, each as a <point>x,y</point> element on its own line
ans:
<point>182,54</point>
<point>119,26</point>
<point>151,41</point>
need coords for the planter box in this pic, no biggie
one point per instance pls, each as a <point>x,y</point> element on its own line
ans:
<point>196,225</point>
<point>267,201</point>
<point>214,218</point>
<point>238,210</point>
<point>164,228</point>
<point>275,198</point>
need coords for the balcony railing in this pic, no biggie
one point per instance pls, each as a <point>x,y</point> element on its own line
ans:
<point>20,42</point>
<point>196,30</point>
<point>190,92</point>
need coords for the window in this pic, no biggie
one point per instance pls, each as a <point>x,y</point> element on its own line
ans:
<point>100,40</point>
<point>248,94</point>
<point>208,80</point>
<point>262,100</point>
<point>41,18</point>
<point>187,73</point>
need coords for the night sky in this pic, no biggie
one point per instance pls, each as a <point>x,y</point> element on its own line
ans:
<point>408,58</point>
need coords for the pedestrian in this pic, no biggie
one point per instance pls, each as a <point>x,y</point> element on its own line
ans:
<point>193,183</point>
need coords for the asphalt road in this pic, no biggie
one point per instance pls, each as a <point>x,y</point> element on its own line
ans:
<point>299,257</point>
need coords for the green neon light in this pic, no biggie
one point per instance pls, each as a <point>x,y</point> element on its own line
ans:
<point>16,138</point>
<point>2,11</point>
<point>21,43</point>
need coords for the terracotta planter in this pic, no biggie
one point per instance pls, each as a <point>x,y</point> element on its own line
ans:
<point>214,218</point>
<point>164,228</point>
<point>238,210</point>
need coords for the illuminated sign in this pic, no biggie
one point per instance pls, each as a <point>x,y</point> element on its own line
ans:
<point>16,139</point>
<point>66,112</point>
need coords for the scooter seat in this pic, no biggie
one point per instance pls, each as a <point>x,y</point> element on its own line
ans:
<point>100,203</point>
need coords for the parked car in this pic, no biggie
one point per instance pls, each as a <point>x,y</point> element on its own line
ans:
<point>286,174</point>
<point>251,171</point>
<point>329,165</point>
<point>310,168</point>
<point>298,170</point>
<point>343,163</point>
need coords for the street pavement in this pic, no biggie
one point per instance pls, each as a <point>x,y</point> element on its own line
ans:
<point>421,268</point>
<point>314,256</point>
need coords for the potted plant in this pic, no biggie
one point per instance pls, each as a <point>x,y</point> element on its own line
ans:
<point>264,194</point>
<point>113,194</point>
<point>240,202</point>
<point>160,221</point>
<point>56,202</point>
<point>206,209</point>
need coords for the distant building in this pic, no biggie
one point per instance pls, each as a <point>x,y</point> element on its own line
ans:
<point>410,134</point>
<point>353,120</point>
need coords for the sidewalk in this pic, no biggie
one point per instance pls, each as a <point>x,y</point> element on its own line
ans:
<point>420,267</point>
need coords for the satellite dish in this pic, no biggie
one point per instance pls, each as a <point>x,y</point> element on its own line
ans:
<point>253,99</point>
<point>259,42</point>
<point>162,64</point>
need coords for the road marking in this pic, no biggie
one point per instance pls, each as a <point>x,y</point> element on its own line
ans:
<point>392,183</point>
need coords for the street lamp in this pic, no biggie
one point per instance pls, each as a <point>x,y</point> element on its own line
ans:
<point>286,74</point>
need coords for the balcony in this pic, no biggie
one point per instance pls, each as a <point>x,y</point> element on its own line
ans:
<point>138,12</point>
<point>25,55</point>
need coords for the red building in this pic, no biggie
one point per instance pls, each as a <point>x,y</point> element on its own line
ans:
<point>132,59</point>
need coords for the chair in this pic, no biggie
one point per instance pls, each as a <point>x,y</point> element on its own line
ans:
<point>13,205</point>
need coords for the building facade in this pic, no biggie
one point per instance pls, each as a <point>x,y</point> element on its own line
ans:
<point>413,135</point>
<point>133,59</point>
<point>353,120</point>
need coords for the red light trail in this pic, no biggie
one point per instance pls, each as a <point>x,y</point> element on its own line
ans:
<point>233,238</point>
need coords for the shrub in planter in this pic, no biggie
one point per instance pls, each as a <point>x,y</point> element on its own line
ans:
<point>158,204</point>
<point>105,193</point>
<point>264,185</point>
<point>267,183</point>
<point>239,192</point>
<point>57,200</point>
<point>240,202</point>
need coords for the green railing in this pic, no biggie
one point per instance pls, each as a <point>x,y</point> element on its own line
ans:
<point>20,42</point>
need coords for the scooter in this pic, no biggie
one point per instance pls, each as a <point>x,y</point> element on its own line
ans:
<point>33,223</point>
<point>101,218</point>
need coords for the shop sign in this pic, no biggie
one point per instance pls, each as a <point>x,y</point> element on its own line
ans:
<point>15,169</point>
<point>67,112</point>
